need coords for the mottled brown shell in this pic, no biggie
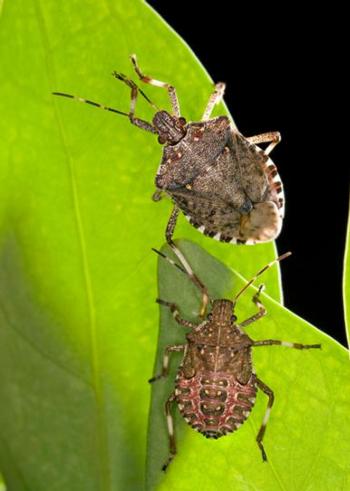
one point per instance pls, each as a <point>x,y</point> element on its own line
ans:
<point>183,162</point>
<point>226,186</point>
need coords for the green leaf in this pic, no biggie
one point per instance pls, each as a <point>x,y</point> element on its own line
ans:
<point>308,435</point>
<point>78,282</point>
<point>346,282</point>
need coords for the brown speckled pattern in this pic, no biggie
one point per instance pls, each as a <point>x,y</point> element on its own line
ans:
<point>214,403</point>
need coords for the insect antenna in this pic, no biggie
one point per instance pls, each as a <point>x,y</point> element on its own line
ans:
<point>135,90</point>
<point>92,103</point>
<point>265,268</point>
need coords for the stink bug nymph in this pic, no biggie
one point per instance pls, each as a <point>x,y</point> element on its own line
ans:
<point>216,385</point>
<point>227,186</point>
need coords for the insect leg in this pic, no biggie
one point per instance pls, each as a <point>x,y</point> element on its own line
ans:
<point>157,83</point>
<point>272,137</point>
<point>169,232</point>
<point>193,277</point>
<point>270,342</point>
<point>170,426</point>
<point>176,314</point>
<point>166,356</point>
<point>258,315</point>
<point>140,123</point>
<point>214,99</point>
<point>261,432</point>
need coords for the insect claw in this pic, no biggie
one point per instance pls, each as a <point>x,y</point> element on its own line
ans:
<point>263,453</point>
<point>157,195</point>
<point>119,76</point>
<point>166,465</point>
<point>155,378</point>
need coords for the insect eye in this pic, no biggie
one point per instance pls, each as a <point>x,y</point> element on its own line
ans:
<point>233,318</point>
<point>210,316</point>
<point>161,140</point>
<point>182,121</point>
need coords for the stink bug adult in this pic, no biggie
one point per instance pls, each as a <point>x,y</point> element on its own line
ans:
<point>216,385</point>
<point>226,186</point>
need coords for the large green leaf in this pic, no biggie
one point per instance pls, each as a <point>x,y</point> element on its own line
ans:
<point>78,282</point>
<point>308,435</point>
<point>346,281</point>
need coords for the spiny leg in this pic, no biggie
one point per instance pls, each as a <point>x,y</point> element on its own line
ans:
<point>268,391</point>
<point>261,432</point>
<point>157,83</point>
<point>272,137</point>
<point>193,277</point>
<point>134,89</point>
<point>214,99</point>
<point>270,342</point>
<point>140,123</point>
<point>262,309</point>
<point>176,314</point>
<point>169,232</point>
<point>166,356</point>
<point>170,426</point>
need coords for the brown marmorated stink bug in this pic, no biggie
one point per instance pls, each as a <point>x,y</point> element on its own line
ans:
<point>216,385</point>
<point>226,186</point>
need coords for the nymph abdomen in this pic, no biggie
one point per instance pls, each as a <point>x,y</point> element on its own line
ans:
<point>214,404</point>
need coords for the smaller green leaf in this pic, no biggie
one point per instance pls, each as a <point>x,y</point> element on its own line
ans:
<point>346,282</point>
<point>308,436</point>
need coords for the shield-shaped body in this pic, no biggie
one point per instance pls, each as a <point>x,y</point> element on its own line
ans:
<point>215,387</point>
<point>226,186</point>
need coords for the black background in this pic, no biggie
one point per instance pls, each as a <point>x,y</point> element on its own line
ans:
<point>285,69</point>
